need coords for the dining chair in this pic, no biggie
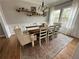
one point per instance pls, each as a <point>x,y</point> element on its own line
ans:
<point>24,38</point>
<point>51,32</point>
<point>43,34</point>
<point>57,28</point>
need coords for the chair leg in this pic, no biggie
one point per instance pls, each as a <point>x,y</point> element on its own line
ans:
<point>21,47</point>
<point>32,43</point>
<point>51,37</point>
<point>40,42</point>
<point>46,40</point>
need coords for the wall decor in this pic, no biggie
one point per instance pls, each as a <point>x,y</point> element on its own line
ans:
<point>31,12</point>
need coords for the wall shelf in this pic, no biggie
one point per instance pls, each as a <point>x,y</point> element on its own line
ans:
<point>31,12</point>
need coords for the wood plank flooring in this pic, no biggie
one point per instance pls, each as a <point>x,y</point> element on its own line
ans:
<point>68,51</point>
<point>11,49</point>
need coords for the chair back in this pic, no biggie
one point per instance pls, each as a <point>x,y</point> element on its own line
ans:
<point>43,33</point>
<point>51,30</point>
<point>57,26</point>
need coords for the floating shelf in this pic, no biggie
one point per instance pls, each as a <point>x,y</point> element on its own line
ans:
<point>31,12</point>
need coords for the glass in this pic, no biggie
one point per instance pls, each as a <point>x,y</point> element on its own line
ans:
<point>65,15</point>
<point>54,17</point>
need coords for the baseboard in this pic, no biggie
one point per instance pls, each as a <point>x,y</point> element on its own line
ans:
<point>2,35</point>
<point>69,35</point>
<point>73,36</point>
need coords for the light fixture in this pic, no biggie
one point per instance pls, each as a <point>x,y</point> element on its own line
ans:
<point>43,7</point>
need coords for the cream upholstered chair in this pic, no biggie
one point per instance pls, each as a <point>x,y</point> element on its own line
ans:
<point>24,38</point>
<point>43,34</point>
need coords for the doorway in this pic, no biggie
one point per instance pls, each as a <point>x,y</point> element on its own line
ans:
<point>1,31</point>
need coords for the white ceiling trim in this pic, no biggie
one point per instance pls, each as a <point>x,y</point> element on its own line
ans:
<point>38,2</point>
<point>47,2</point>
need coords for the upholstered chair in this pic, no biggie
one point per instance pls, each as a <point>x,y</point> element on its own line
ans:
<point>24,38</point>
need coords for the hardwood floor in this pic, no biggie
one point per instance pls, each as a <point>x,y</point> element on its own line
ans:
<point>11,49</point>
<point>67,52</point>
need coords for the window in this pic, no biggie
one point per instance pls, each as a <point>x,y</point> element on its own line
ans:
<point>60,15</point>
<point>65,14</point>
<point>54,17</point>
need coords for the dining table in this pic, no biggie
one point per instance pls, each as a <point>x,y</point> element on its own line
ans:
<point>33,29</point>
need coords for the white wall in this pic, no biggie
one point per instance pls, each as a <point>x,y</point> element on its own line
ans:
<point>4,24</point>
<point>13,17</point>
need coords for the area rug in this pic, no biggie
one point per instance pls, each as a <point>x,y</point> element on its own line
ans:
<point>46,51</point>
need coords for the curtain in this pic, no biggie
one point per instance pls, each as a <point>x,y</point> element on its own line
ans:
<point>51,20</point>
<point>73,17</point>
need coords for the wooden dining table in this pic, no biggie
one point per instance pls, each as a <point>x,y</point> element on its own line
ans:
<point>33,29</point>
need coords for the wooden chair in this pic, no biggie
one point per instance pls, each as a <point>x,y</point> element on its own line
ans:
<point>43,34</point>
<point>24,38</point>
<point>57,28</point>
<point>51,32</point>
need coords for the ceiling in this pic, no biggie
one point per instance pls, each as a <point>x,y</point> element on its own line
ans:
<point>38,2</point>
<point>48,2</point>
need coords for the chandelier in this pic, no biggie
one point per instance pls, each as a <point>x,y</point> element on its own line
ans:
<point>43,8</point>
